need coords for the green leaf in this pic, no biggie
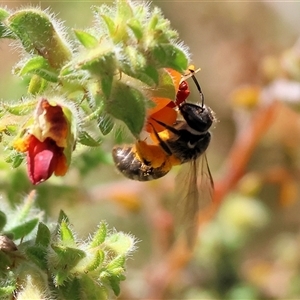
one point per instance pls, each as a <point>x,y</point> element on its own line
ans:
<point>135,65</point>
<point>24,229</point>
<point>165,88</point>
<point>66,234</point>
<point>105,123</point>
<point>38,35</point>
<point>136,27</point>
<point>62,217</point>
<point>154,20</point>
<point>128,105</point>
<point>124,10</point>
<point>110,24</point>
<point>38,255</point>
<point>117,262</point>
<point>170,56</point>
<point>5,261</point>
<point>71,290</point>
<point>3,14</point>
<point>36,85</point>
<point>99,235</point>
<point>4,31</point>
<point>43,235</point>
<point>86,39</point>
<point>159,30</point>
<point>135,59</point>
<point>106,84</point>
<point>152,73</point>
<point>67,258</point>
<point>84,138</point>
<point>7,290</point>
<point>21,108</point>
<point>113,281</point>
<point>92,290</point>
<point>38,65</point>
<point>15,158</point>
<point>11,129</point>
<point>101,64</point>
<point>121,243</point>
<point>117,272</point>
<point>96,261</point>
<point>115,285</point>
<point>99,61</point>
<point>71,72</point>
<point>2,220</point>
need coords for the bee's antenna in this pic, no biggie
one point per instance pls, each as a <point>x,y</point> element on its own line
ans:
<point>197,85</point>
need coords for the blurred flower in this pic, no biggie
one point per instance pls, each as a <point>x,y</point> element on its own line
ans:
<point>283,90</point>
<point>48,141</point>
<point>246,97</point>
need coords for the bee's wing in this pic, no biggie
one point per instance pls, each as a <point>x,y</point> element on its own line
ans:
<point>206,184</point>
<point>194,190</point>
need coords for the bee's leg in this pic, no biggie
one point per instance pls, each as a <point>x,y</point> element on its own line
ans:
<point>161,142</point>
<point>172,129</point>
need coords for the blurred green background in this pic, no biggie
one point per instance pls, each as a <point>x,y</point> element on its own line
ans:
<point>249,249</point>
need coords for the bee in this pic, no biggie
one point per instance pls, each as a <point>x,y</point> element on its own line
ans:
<point>184,142</point>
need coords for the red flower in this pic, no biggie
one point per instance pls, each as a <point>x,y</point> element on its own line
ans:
<point>48,141</point>
<point>44,159</point>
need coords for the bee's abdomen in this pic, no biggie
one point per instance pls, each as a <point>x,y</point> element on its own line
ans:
<point>133,167</point>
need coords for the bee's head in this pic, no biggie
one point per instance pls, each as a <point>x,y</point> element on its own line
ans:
<point>199,118</point>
